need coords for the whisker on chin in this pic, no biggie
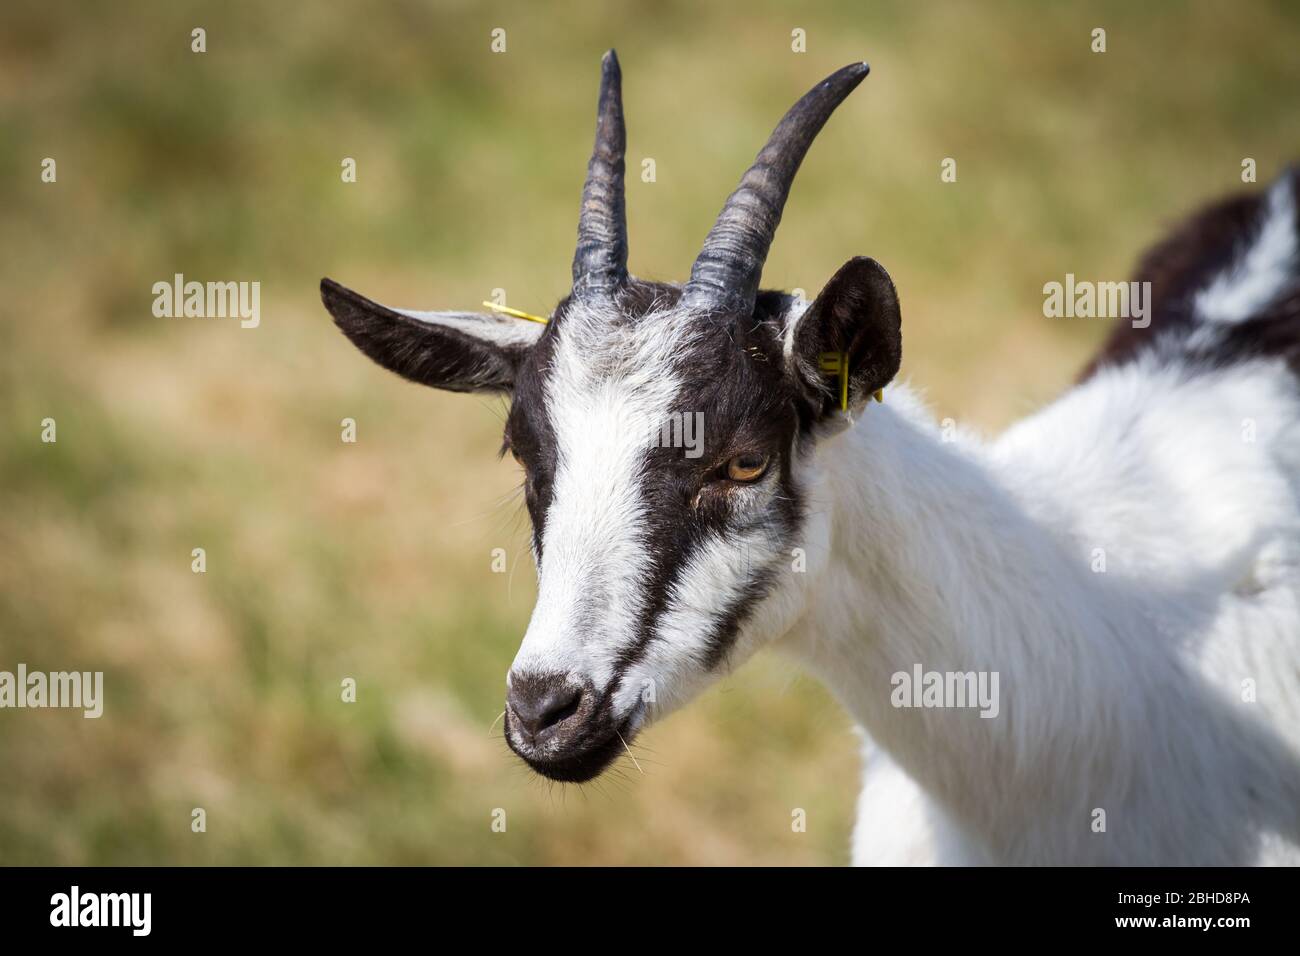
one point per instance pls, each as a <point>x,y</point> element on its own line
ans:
<point>620,782</point>
<point>629,753</point>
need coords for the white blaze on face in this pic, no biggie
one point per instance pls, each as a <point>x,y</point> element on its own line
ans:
<point>606,381</point>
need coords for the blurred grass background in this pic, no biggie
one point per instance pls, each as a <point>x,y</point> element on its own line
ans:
<point>373,561</point>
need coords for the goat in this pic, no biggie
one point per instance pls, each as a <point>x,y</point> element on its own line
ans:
<point>1126,561</point>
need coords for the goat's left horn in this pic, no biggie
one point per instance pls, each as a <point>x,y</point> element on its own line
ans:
<point>727,271</point>
<point>600,262</point>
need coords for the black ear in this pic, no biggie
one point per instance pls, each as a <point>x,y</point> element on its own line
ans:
<point>855,321</point>
<point>457,351</point>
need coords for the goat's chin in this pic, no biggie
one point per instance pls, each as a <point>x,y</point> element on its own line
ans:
<point>580,768</point>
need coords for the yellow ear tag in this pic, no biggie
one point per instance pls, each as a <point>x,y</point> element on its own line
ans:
<point>515,312</point>
<point>837,363</point>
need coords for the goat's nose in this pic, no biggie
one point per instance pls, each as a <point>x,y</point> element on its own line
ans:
<point>539,702</point>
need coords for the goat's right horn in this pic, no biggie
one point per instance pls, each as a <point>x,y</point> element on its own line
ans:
<point>600,261</point>
<point>727,271</point>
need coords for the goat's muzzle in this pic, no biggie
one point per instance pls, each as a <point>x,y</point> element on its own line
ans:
<point>561,727</point>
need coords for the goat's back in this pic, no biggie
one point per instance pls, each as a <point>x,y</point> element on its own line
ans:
<point>1224,287</point>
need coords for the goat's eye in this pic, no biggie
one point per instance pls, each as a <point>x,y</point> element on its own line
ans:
<point>748,467</point>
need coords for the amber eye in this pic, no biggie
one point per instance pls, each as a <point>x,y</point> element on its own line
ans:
<point>748,467</point>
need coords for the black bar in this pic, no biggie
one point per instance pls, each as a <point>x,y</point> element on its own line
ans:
<point>213,905</point>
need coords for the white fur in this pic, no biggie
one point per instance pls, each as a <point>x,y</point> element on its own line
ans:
<point>1120,690</point>
<point>1262,269</point>
<point>499,330</point>
<point>1123,688</point>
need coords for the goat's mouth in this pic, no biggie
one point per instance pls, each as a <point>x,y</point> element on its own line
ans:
<point>585,754</point>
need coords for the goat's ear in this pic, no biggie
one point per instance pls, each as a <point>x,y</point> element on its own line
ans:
<point>457,351</point>
<point>854,320</point>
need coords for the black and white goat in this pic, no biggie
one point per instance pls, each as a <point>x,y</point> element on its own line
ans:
<point>1147,714</point>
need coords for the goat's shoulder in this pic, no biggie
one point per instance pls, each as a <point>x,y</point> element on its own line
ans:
<point>1224,288</point>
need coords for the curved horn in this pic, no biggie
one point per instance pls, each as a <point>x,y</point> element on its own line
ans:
<point>727,271</point>
<point>600,261</point>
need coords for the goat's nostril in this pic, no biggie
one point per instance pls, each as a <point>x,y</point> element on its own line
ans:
<point>540,703</point>
<point>559,707</point>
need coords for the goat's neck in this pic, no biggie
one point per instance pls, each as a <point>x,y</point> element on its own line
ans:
<point>932,561</point>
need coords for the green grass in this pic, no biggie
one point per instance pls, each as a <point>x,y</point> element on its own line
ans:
<point>372,560</point>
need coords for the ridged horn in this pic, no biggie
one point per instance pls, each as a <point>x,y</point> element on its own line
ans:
<point>727,271</point>
<point>600,261</point>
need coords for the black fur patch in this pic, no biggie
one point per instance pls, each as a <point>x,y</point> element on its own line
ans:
<point>1181,266</point>
<point>425,353</point>
<point>528,432</point>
